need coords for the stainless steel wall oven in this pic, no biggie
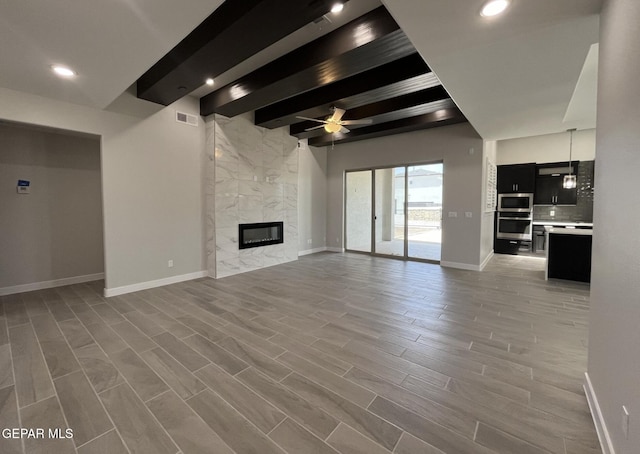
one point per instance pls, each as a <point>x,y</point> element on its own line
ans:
<point>515,226</point>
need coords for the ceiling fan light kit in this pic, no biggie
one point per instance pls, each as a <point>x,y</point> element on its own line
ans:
<point>332,127</point>
<point>334,123</point>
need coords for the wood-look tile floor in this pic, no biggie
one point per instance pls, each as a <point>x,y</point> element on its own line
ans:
<point>333,353</point>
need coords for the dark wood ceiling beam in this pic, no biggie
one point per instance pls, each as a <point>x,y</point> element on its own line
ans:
<point>387,110</point>
<point>426,121</point>
<point>410,85</point>
<point>236,30</point>
<point>316,103</point>
<point>364,43</point>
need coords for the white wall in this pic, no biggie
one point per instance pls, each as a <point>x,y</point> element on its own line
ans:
<point>462,182</point>
<point>488,217</point>
<point>614,334</point>
<point>312,197</point>
<point>548,148</point>
<point>55,231</point>
<point>151,184</point>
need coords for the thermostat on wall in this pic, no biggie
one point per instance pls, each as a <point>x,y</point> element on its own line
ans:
<point>23,186</point>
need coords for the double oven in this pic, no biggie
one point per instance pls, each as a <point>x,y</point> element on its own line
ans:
<point>515,217</point>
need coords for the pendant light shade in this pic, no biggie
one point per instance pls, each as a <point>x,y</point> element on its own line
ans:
<point>570,181</point>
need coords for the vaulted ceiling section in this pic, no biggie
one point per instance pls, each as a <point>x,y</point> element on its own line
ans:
<point>367,67</point>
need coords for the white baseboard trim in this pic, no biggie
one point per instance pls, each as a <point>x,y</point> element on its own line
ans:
<point>50,284</point>
<point>312,251</point>
<point>485,261</point>
<point>115,291</point>
<point>598,418</point>
<point>335,249</point>
<point>460,266</point>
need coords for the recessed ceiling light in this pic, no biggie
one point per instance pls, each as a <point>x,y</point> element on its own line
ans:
<point>63,71</point>
<point>209,81</point>
<point>337,7</point>
<point>494,7</point>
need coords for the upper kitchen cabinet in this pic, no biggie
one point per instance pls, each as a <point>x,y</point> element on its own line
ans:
<point>517,178</point>
<point>549,178</point>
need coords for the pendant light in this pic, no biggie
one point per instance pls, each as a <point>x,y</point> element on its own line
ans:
<point>569,181</point>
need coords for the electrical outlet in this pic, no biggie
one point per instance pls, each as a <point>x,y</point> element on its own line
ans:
<point>309,241</point>
<point>170,263</point>
<point>625,422</point>
<point>468,214</point>
<point>552,213</point>
<point>337,240</point>
<point>453,214</point>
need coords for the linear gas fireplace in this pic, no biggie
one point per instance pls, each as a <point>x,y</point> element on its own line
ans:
<point>260,234</point>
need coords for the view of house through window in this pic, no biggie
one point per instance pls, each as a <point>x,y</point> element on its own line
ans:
<point>424,211</point>
<point>395,211</point>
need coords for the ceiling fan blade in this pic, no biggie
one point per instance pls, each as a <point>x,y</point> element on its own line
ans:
<point>315,127</point>
<point>311,119</point>
<point>337,114</point>
<point>367,121</point>
<point>344,130</point>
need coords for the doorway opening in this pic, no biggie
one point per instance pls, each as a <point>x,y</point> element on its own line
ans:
<point>52,219</point>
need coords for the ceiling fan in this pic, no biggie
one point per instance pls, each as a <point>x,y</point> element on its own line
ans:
<point>334,123</point>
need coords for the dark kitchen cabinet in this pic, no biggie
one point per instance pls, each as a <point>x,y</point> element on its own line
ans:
<point>512,247</point>
<point>517,178</point>
<point>569,257</point>
<point>549,190</point>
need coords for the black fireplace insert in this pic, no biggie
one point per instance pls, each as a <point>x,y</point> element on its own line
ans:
<point>260,234</point>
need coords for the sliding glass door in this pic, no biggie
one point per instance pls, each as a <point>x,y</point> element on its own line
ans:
<point>359,209</point>
<point>389,211</point>
<point>395,211</point>
<point>424,211</point>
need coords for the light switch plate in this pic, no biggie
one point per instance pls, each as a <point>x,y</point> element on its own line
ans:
<point>453,214</point>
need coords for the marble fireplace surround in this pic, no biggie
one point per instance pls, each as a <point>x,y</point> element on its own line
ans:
<point>251,176</point>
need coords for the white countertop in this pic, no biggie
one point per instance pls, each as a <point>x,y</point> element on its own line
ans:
<point>564,224</point>
<point>561,231</point>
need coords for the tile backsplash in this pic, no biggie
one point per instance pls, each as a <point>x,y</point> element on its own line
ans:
<point>583,210</point>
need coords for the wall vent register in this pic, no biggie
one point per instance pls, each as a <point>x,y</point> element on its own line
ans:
<point>260,234</point>
<point>187,119</point>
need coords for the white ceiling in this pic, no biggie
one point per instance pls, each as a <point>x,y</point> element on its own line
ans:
<point>582,109</point>
<point>108,43</point>
<point>512,76</point>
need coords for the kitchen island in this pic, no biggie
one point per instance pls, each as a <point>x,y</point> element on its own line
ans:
<point>569,254</point>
